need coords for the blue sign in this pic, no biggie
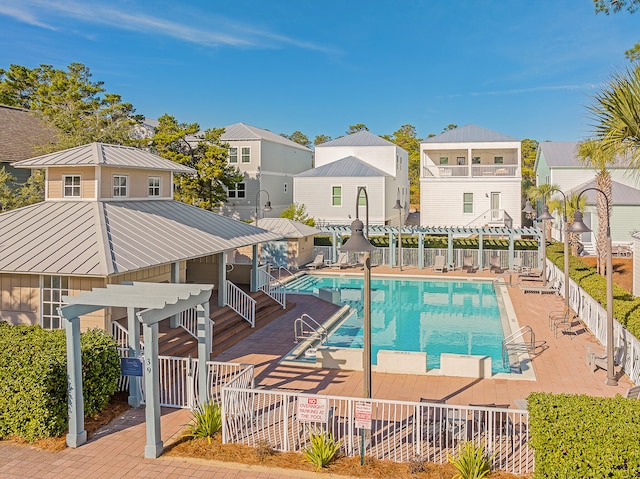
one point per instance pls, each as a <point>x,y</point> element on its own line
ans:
<point>131,366</point>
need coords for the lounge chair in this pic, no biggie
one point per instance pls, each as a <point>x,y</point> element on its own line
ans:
<point>517,265</point>
<point>433,419</point>
<point>539,289</point>
<point>566,325</point>
<point>467,265</point>
<point>494,265</point>
<point>343,262</point>
<point>317,263</point>
<point>439,264</point>
<point>599,361</point>
<point>555,316</point>
<point>633,393</point>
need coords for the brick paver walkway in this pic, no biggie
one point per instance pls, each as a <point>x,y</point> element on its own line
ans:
<point>118,450</point>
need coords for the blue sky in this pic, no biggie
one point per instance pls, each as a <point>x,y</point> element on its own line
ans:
<point>524,68</point>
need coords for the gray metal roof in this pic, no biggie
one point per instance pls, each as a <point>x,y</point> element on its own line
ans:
<point>241,131</point>
<point>469,134</point>
<point>349,166</point>
<point>103,238</point>
<point>564,154</point>
<point>620,194</point>
<point>103,154</point>
<point>287,228</point>
<point>361,138</point>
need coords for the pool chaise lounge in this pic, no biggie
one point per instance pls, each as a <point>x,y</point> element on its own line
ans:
<point>538,289</point>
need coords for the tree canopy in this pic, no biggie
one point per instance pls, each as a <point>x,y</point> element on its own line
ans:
<point>529,150</point>
<point>184,143</point>
<point>614,6</point>
<point>407,138</point>
<point>79,108</point>
<point>356,128</point>
<point>299,138</point>
<point>319,139</point>
<point>298,213</point>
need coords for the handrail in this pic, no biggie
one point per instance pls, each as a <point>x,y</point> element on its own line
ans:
<point>299,331</point>
<point>121,335</point>
<point>272,287</point>
<point>240,302</point>
<point>282,268</point>
<point>500,216</point>
<point>519,335</point>
<point>188,321</point>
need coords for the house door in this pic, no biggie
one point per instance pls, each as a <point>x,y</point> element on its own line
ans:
<point>495,206</point>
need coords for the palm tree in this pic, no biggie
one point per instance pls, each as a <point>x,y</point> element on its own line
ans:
<point>540,192</point>
<point>595,154</point>
<point>616,111</point>
<point>572,207</point>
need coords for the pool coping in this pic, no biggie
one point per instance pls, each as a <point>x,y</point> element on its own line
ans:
<point>508,318</point>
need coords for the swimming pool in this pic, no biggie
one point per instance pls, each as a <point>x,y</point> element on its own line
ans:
<point>425,315</point>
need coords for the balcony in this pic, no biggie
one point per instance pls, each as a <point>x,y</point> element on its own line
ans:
<point>475,171</point>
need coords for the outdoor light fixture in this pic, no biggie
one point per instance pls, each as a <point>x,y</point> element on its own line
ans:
<point>267,206</point>
<point>565,240</point>
<point>398,207</point>
<point>578,226</point>
<point>527,208</point>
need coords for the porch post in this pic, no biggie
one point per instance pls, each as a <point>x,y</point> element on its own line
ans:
<point>204,342</point>
<point>450,261</point>
<point>174,321</point>
<point>392,250</point>
<point>480,252</point>
<point>77,434</point>
<point>421,250</point>
<point>222,279</point>
<point>133,327</point>
<point>511,252</point>
<point>334,249</point>
<point>154,446</point>
<point>541,258</point>
<point>254,268</point>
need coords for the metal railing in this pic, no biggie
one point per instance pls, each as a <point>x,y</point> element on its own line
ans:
<point>188,320</point>
<point>240,302</point>
<point>306,327</point>
<point>517,342</point>
<point>449,171</point>
<point>272,287</point>
<point>400,430</point>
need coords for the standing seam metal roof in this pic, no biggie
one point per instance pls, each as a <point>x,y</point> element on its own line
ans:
<point>241,131</point>
<point>360,138</point>
<point>558,154</point>
<point>349,166</point>
<point>103,154</point>
<point>105,238</point>
<point>620,194</point>
<point>469,134</point>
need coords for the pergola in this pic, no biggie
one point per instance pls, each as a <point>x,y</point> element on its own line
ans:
<point>337,231</point>
<point>148,304</point>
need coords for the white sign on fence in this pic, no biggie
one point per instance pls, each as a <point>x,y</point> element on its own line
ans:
<point>363,415</point>
<point>312,409</point>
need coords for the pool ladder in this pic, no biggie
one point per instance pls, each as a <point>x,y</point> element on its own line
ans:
<point>305,327</point>
<point>524,339</point>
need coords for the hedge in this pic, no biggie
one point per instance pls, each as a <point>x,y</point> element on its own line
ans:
<point>440,242</point>
<point>626,308</point>
<point>583,436</point>
<point>33,379</point>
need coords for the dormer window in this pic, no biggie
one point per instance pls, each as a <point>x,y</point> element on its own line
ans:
<point>154,186</point>
<point>119,186</point>
<point>71,186</point>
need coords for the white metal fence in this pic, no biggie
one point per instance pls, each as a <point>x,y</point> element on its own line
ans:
<point>241,302</point>
<point>272,286</point>
<point>401,431</point>
<point>594,316</point>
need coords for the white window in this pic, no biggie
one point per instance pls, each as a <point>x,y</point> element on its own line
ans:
<point>336,195</point>
<point>498,160</point>
<point>362,199</point>
<point>119,186</point>
<point>154,186</point>
<point>467,202</point>
<point>71,186</point>
<point>444,160</point>
<point>238,191</point>
<point>475,160</point>
<point>233,155</point>
<point>246,154</point>
<point>51,292</point>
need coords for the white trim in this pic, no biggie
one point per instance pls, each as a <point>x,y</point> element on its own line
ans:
<point>64,186</point>
<point>149,186</point>
<point>113,185</point>
<point>333,196</point>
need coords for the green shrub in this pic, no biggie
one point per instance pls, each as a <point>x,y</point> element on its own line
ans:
<point>207,420</point>
<point>471,462</point>
<point>583,436</point>
<point>33,379</point>
<point>322,450</point>
<point>432,242</point>
<point>626,308</point>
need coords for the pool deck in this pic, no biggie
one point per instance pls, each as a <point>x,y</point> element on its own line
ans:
<point>560,368</point>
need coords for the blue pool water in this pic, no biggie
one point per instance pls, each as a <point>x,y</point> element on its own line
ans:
<point>460,317</point>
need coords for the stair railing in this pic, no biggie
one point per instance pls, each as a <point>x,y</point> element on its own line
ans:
<point>189,322</point>
<point>272,287</point>
<point>524,339</point>
<point>306,327</point>
<point>240,302</point>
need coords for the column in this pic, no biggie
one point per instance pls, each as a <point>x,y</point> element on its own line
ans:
<point>174,321</point>
<point>254,268</point>
<point>133,327</point>
<point>450,260</point>
<point>77,434</point>
<point>154,446</point>
<point>204,346</point>
<point>222,279</point>
<point>392,250</point>
<point>420,250</point>
<point>480,251</point>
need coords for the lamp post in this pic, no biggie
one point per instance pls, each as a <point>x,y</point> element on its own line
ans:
<point>359,243</point>
<point>529,210</point>
<point>267,206</point>
<point>578,226</point>
<point>398,207</point>
<point>565,239</point>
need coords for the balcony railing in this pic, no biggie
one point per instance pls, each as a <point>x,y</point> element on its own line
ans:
<point>446,171</point>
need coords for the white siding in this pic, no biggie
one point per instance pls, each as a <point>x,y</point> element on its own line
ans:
<point>282,159</point>
<point>315,194</point>
<point>569,178</point>
<point>441,200</point>
<point>381,157</point>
